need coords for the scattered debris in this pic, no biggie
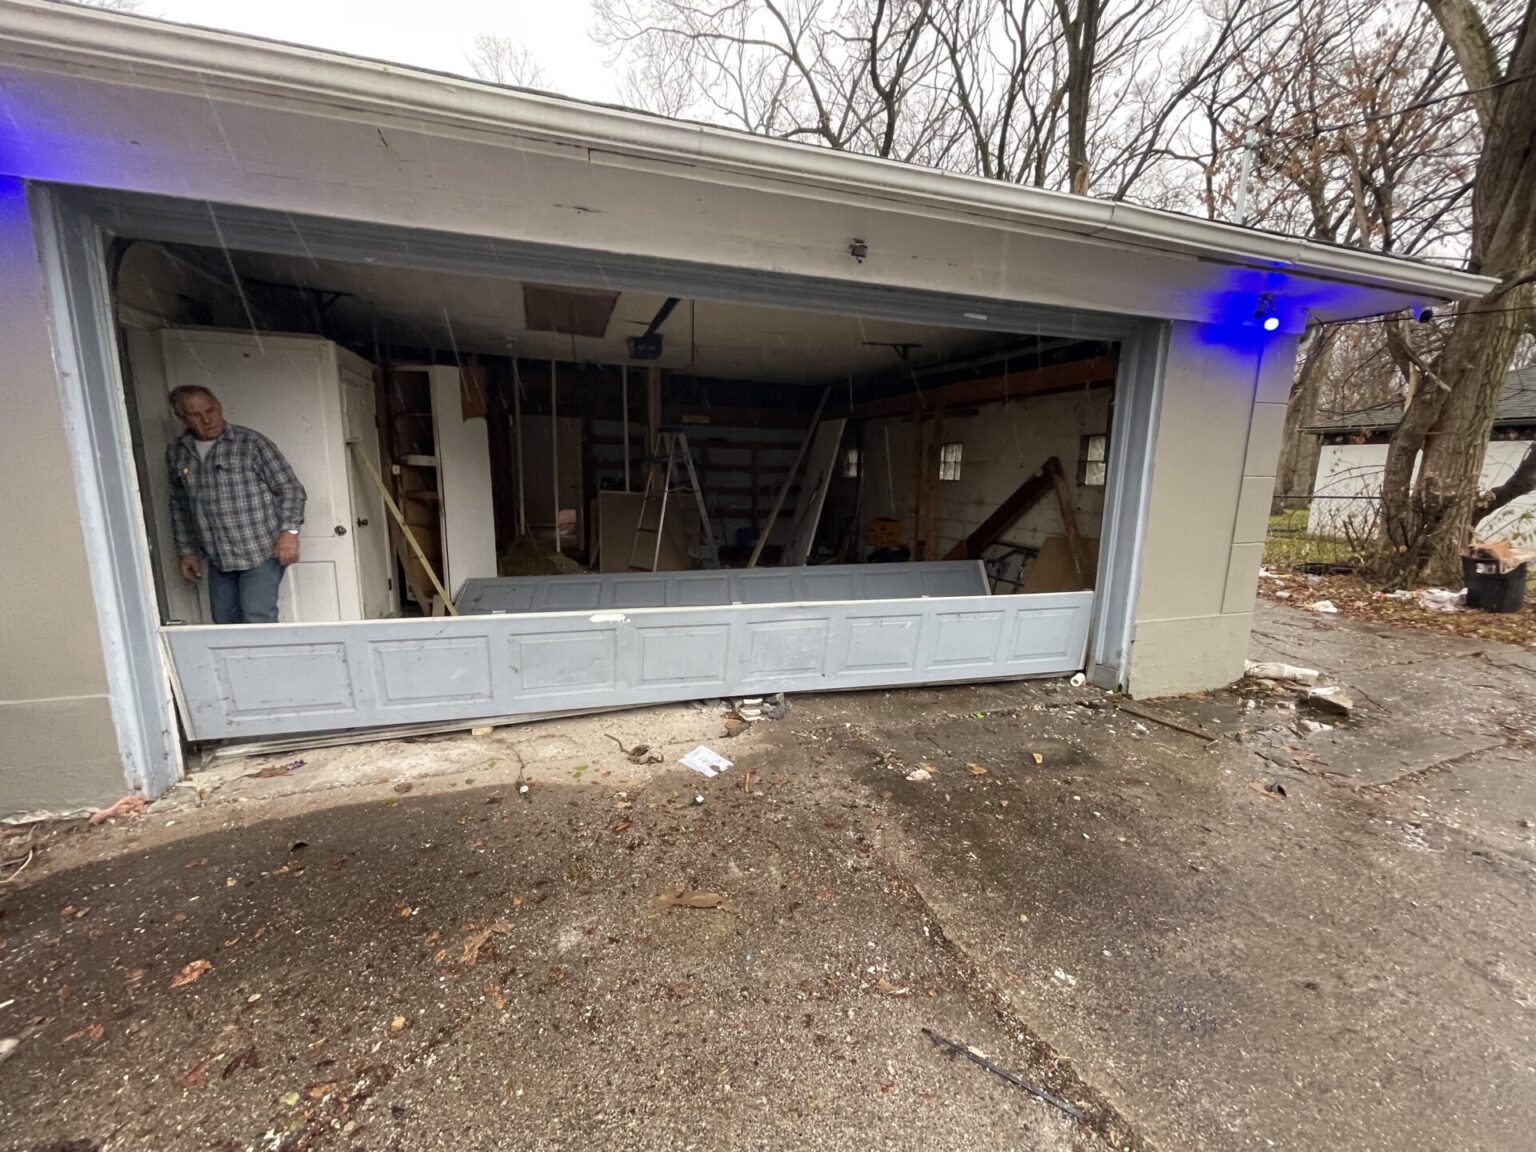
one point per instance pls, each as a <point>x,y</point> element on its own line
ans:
<point>884,985</point>
<point>191,974</point>
<point>272,771</point>
<point>403,787</point>
<point>1313,727</point>
<point>1331,700</point>
<point>1065,977</point>
<point>1326,607</point>
<point>1276,790</point>
<point>478,940</point>
<point>397,1025</point>
<point>705,761</point>
<point>639,754</point>
<point>1037,757</point>
<point>689,898</point>
<point>1078,680</point>
<point>484,731</point>
<point>247,1058</point>
<point>976,769</point>
<point>1209,737</point>
<point>127,806</point>
<point>1442,600</point>
<point>8,1048</point>
<point>975,1057</point>
<point>735,726</point>
<point>1271,670</point>
<point>920,775</point>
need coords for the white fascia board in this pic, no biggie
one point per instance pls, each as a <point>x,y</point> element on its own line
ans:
<point>140,52</point>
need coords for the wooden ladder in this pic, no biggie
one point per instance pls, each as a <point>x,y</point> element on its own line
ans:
<point>661,483</point>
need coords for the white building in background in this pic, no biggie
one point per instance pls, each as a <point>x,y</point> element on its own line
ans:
<point>1346,492</point>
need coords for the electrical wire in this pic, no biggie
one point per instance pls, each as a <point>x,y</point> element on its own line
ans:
<point>1450,314</point>
<point>1376,117</point>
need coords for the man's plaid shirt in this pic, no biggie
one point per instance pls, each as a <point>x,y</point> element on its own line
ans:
<point>231,506</point>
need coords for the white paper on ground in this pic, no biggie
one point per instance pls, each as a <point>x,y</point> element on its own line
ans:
<point>705,761</point>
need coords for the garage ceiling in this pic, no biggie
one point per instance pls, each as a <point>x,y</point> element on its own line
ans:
<point>711,339</point>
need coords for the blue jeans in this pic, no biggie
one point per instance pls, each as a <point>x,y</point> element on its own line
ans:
<point>248,597</point>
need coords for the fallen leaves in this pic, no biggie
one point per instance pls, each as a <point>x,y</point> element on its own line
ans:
<point>1037,757</point>
<point>246,1058</point>
<point>191,974</point>
<point>689,898</point>
<point>94,1031</point>
<point>890,989</point>
<point>397,1025</point>
<point>976,769</point>
<point>273,771</point>
<point>478,940</point>
<point>622,826</point>
<point>127,806</point>
<point>195,1077</point>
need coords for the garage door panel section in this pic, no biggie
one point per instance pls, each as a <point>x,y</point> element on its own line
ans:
<point>422,673</point>
<point>627,590</point>
<point>568,664</point>
<point>284,679</point>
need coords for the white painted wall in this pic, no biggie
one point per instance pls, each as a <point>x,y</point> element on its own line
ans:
<point>1348,485</point>
<point>464,464</point>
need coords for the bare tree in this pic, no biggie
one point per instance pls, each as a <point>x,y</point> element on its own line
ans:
<point>501,60</point>
<point>1428,517</point>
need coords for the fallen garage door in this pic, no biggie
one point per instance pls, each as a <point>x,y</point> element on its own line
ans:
<point>821,583</point>
<point>259,680</point>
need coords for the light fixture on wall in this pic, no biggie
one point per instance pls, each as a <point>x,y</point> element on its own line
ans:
<point>1265,312</point>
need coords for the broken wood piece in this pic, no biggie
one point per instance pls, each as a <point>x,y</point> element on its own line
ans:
<point>1080,561</point>
<point>975,1057</point>
<point>689,898</point>
<point>1020,501</point>
<point>1167,723</point>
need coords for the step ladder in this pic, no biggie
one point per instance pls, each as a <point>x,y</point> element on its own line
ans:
<point>662,482</point>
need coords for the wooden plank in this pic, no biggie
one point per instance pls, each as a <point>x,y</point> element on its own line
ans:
<point>1069,522</point>
<point>652,409</point>
<point>1054,570</point>
<point>917,473</point>
<point>935,457</point>
<point>1020,501</point>
<point>1100,370</point>
<point>778,504</point>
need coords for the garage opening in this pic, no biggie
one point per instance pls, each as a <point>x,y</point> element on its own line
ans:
<point>541,481</point>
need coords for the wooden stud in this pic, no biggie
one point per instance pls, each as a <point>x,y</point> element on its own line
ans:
<point>935,459</point>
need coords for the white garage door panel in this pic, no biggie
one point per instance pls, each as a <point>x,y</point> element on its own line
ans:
<point>255,680</point>
<point>827,582</point>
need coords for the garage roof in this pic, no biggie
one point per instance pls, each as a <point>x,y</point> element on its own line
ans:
<point>1516,409</point>
<point>137,54</point>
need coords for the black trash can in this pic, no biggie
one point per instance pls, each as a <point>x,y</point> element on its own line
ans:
<point>1489,590</point>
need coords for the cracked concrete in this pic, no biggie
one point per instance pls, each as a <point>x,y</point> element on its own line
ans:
<point>1116,910</point>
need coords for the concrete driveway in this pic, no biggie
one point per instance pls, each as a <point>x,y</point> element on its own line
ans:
<point>405,951</point>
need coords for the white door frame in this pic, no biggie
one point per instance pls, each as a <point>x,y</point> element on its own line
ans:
<point>72,225</point>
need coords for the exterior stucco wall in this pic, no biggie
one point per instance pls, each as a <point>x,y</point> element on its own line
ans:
<point>1213,473</point>
<point>58,747</point>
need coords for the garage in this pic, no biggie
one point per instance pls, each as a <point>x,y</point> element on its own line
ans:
<point>940,428</point>
<point>528,497</point>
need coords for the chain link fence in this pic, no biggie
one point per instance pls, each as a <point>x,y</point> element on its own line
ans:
<point>1327,535</point>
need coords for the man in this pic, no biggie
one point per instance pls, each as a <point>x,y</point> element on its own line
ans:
<point>235,503</point>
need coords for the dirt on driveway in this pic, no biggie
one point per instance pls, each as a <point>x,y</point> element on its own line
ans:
<point>409,952</point>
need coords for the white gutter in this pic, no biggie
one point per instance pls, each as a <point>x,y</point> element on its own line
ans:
<point>144,53</point>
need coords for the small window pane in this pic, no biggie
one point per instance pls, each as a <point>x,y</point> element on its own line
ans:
<point>949,461</point>
<point>851,463</point>
<point>1093,462</point>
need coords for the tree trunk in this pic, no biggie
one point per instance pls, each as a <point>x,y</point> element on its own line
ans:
<point>1297,469</point>
<point>1521,482</point>
<point>1474,364</point>
<point>1426,522</point>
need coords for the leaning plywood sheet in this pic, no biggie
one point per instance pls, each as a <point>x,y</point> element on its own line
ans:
<point>618,513</point>
<point>246,681</point>
<point>735,586</point>
<point>464,469</point>
<point>1054,571</point>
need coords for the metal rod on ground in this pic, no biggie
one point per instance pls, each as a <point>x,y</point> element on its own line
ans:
<point>778,504</point>
<point>517,429</point>
<point>957,1049</point>
<point>1209,737</point>
<point>554,449</point>
<point>410,537</point>
<point>624,386</point>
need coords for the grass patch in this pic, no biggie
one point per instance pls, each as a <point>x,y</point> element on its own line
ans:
<point>1289,546</point>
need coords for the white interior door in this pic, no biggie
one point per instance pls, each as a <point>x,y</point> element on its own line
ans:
<point>287,388</point>
<point>370,530</point>
<point>464,480</point>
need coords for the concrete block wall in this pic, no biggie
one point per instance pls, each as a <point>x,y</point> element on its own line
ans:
<point>1223,411</point>
<point>58,745</point>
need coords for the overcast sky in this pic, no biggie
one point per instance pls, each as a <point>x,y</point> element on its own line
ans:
<point>429,33</point>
